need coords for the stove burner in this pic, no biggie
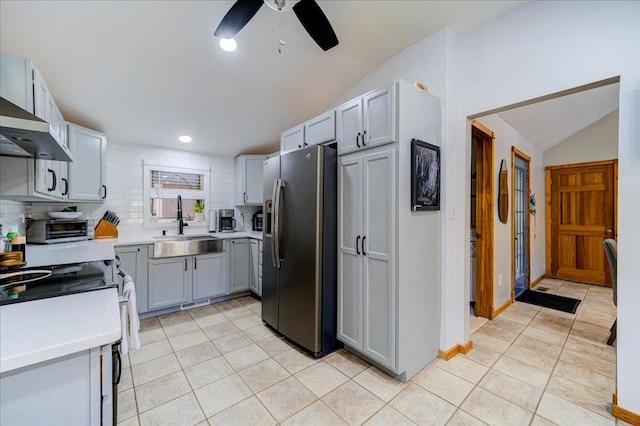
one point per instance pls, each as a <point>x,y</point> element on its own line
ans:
<point>45,283</point>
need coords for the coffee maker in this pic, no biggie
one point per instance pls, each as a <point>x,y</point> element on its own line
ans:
<point>227,222</point>
<point>257,221</point>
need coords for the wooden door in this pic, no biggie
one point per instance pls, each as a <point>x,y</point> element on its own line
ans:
<point>582,216</point>
<point>484,220</point>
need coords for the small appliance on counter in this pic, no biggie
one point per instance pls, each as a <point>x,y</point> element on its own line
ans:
<point>213,220</point>
<point>57,231</point>
<point>226,220</point>
<point>257,221</point>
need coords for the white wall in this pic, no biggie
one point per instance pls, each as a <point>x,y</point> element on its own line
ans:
<point>535,50</point>
<point>125,184</point>
<point>125,180</point>
<point>542,48</point>
<point>506,137</point>
<point>424,61</point>
<point>596,142</point>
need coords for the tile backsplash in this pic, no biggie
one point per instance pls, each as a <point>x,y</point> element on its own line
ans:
<point>125,188</point>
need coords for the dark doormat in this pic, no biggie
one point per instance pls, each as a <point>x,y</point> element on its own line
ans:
<point>551,301</point>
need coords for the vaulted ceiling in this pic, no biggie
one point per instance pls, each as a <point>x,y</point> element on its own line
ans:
<point>547,123</point>
<point>145,72</point>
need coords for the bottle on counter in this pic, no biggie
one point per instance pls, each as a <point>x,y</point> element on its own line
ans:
<point>19,243</point>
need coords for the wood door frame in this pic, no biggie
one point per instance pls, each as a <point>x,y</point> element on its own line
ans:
<point>548,212</point>
<point>515,152</point>
<point>485,205</point>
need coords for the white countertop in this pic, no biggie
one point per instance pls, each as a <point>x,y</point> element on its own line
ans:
<point>40,330</point>
<point>67,253</point>
<point>136,237</point>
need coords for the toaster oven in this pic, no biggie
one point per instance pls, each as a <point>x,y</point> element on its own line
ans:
<point>57,231</point>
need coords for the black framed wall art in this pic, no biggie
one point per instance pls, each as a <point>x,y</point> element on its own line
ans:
<point>425,176</point>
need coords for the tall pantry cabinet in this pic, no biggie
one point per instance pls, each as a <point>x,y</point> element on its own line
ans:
<point>388,255</point>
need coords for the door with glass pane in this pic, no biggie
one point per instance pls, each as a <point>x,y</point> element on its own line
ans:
<point>520,222</point>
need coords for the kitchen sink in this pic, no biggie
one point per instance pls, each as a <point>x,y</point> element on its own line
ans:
<point>186,246</point>
<point>182,237</point>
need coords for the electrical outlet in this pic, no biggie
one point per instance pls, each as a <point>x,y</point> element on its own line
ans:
<point>500,280</point>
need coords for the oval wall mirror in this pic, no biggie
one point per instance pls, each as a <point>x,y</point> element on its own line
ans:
<point>503,193</point>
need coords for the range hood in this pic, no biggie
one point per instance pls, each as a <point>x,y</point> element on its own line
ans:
<point>22,134</point>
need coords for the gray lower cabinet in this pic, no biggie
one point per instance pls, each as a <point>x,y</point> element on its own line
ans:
<point>133,260</point>
<point>208,276</point>
<point>240,265</point>
<point>254,279</point>
<point>169,282</point>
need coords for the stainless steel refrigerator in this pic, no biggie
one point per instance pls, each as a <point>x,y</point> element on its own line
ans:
<point>299,279</point>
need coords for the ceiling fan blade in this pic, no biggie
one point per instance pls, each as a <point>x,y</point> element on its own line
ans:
<point>237,17</point>
<point>316,23</point>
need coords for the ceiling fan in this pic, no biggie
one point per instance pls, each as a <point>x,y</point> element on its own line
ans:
<point>308,12</point>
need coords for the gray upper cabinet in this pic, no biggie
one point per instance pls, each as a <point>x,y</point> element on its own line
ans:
<point>248,180</point>
<point>88,173</point>
<point>349,126</point>
<point>240,256</point>
<point>367,121</point>
<point>320,129</point>
<point>22,84</point>
<point>292,139</point>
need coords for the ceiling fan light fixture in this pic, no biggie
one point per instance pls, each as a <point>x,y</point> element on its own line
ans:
<point>228,44</point>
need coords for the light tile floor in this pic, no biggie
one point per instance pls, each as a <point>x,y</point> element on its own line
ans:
<point>219,365</point>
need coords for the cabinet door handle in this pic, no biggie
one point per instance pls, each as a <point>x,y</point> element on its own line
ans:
<point>53,180</point>
<point>363,252</point>
<point>363,136</point>
<point>195,263</point>
<point>244,197</point>
<point>358,139</point>
<point>105,191</point>
<point>185,264</point>
<point>305,144</point>
<point>357,243</point>
<point>66,186</point>
<point>299,146</point>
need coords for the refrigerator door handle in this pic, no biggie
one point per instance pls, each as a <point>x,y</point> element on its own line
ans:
<point>278,185</point>
<point>273,222</point>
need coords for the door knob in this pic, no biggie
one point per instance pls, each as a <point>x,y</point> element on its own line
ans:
<point>608,232</point>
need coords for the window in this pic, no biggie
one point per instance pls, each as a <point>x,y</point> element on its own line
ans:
<point>163,184</point>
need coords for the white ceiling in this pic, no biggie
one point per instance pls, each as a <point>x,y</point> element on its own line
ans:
<point>548,123</point>
<point>146,72</point>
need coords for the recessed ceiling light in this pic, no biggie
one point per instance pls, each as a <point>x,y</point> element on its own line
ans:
<point>228,44</point>
<point>185,139</point>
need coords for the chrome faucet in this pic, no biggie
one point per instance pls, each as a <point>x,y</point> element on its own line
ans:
<point>181,222</point>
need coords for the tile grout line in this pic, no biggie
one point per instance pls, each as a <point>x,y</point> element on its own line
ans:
<point>558,360</point>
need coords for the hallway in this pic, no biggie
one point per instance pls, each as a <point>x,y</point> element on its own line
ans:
<point>537,360</point>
